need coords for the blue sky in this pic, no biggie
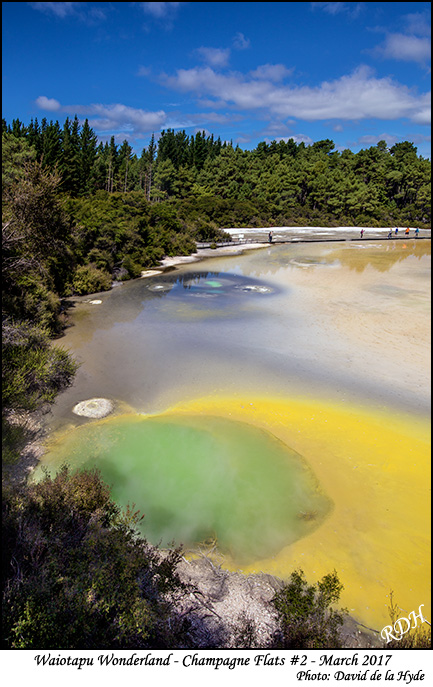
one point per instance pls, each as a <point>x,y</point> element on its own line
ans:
<point>356,73</point>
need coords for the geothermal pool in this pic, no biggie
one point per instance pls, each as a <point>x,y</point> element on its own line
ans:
<point>275,402</point>
<point>221,480</point>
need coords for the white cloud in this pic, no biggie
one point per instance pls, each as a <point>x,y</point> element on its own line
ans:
<point>423,115</point>
<point>215,117</point>
<point>49,104</point>
<point>411,44</point>
<point>408,48</point>
<point>272,72</point>
<point>217,57</point>
<point>208,83</point>
<point>417,24</point>
<point>240,42</point>
<point>391,139</point>
<point>349,8</point>
<point>373,139</point>
<point>112,117</point>
<point>179,120</point>
<point>359,95</point>
<point>419,138</point>
<point>300,138</point>
<point>160,10</point>
<point>59,9</point>
<point>144,71</point>
<point>119,138</point>
<point>118,116</point>
<point>329,7</point>
<point>79,10</point>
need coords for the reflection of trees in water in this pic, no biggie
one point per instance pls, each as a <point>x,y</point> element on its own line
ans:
<point>191,279</point>
<point>227,282</point>
<point>382,257</point>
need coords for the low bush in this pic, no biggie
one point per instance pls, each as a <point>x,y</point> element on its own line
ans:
<point>306,617</point>
<point>31,299</point>
<point>76,575</point>
<point>132,267</point>
<point>34,371</point>
<point>90,279</point>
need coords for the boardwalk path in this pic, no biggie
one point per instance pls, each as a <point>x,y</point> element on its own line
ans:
<point>294,237</point>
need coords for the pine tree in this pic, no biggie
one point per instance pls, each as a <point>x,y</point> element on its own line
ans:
<point>200,149</point>
<point>50,144</point>
<point>88,153</point>
<point>125,157</point>
<point>18,128</point>
<point>70,165</point>
<point>150,159</point>
<point>112,165</point>
<point>34,136</point>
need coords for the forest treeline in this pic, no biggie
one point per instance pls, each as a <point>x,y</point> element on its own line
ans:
<point>280,183</point>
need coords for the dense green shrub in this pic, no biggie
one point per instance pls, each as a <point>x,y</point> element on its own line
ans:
<point>102,259</point>
<point>76,575</point>
<point>32,300</point>
<point>34,371</point>
<point>208,231</point>
<point>152,256</point>
<point>90,279</point>
<point>133,268</point>
<point>181,244</point>
<point>306,618</point>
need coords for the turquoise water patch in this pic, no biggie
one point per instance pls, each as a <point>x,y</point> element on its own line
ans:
<point>199,283</point>
<point>213,283</point>
<point>197,478</point>
<point>208,295</point>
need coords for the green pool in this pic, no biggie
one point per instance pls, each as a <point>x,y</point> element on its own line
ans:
<point>198,477</point>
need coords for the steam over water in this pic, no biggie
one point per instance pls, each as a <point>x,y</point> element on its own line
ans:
<point>204,478</point>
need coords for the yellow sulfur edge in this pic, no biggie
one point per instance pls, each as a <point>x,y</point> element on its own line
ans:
<point>375,466</point>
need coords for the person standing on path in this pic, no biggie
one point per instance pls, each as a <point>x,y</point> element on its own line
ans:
<point>270,235</point>
<point>406,233</point>
<point>396,231</point>
<point>362,233</point>
<point>416,232</point>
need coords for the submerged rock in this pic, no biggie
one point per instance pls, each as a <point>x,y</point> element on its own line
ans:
<point>94,407</point>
